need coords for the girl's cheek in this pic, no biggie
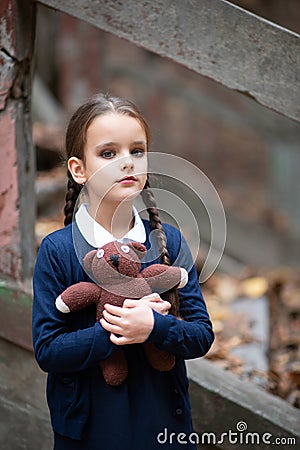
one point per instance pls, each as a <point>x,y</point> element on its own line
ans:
<point>99,183</point>
<point>142,166</point>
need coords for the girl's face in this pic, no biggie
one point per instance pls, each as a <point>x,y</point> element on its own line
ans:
<point>115,165</point>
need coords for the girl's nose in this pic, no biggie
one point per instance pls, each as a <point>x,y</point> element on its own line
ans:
<point>127,162</point>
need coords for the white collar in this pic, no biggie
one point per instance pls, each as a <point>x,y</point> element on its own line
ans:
<point>97,236</point>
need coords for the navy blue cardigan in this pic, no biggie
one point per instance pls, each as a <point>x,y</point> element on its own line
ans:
<point>70,346</point>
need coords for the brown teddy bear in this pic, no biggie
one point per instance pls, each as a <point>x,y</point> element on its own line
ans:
<point>116,269</point>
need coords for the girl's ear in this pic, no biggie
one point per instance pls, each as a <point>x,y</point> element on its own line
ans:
<point>76,167</point>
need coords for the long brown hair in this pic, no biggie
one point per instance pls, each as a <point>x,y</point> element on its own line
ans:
<point>80,121</point>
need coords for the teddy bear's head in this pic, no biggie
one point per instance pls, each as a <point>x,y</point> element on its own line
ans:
<point>114,261</point>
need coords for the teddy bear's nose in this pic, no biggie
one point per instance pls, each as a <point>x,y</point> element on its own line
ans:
<point>114,259</point>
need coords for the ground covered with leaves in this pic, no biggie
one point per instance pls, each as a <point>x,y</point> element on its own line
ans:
<point>280,290</point>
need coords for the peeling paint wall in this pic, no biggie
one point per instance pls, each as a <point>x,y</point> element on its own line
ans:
<point>17,210</point>
<point>9,220</point>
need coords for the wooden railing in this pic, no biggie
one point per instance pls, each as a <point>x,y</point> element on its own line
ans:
<point>212,37</point>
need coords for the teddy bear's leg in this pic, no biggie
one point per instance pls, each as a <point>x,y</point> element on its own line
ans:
<point>114,368</point>
<point>159,359</point>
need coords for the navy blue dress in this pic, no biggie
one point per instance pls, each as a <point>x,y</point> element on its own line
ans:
<point>150,408</point>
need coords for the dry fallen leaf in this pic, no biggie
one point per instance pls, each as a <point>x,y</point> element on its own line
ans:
<point>226,288</point>
<point>218,326</point>
<point>254,287</point>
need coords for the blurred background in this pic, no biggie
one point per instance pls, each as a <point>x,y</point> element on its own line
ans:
<point>250,154</point>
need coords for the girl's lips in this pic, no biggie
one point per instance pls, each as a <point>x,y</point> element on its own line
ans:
<point>129,179</point>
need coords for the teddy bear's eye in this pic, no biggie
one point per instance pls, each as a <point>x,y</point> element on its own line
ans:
<point>125,248</point>
<point>100,253</point>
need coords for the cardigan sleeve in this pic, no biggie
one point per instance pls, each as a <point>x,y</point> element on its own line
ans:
<point>192,335</point>
<point>57,349</point>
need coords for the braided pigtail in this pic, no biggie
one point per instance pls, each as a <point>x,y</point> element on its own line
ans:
<point>155,222</point>
<point>72,194</point>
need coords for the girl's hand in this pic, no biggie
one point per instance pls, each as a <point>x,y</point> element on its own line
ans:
<point>154,301</point>
<point>131,324</point>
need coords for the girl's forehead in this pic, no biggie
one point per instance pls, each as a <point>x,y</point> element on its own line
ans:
<point>115,127</point>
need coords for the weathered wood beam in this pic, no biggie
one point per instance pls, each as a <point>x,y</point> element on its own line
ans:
<point>17,210</point>
<point>24,416</point>
<point>220,401</point>
<point>212,37</point>
<point>15,314</point>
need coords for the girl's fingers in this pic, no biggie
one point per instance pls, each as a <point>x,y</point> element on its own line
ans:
<point>109,327</point>
<point>167,306</point>
<point>129,303</point>
<point>119,340</point>
<point>132,327</point>
<point>111,318</point>
<point>160,306</point>
<point>154,297</point>
<point>115,310</point>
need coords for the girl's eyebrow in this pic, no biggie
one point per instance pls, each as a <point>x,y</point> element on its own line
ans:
<point>139,143</point>
<point>112,144</point>
<point>105,144</point>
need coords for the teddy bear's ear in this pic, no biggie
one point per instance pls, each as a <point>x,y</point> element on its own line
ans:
<point>88,259</point>
<point>139,248</point>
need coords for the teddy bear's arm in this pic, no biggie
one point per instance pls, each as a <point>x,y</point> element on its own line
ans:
<point>161,276</point>
<point>77,296</point>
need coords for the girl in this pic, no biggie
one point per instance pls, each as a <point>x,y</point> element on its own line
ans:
<point>106,143</point>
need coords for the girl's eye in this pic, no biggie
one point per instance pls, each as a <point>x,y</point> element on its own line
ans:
<point>107,154</point>
<point>125,248</point>
<point>138,152</point>
<point>100,253</point>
